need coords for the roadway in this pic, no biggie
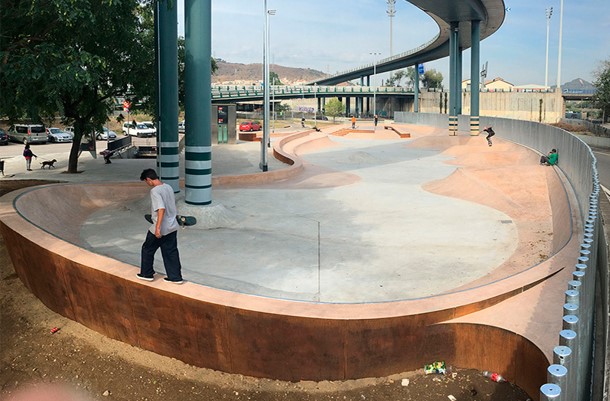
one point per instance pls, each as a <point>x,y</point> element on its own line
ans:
<point>603,165</point>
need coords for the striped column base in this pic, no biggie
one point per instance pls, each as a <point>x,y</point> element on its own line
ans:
<point>453,125</point>
<point>198,175</point>
<point>474,125</point>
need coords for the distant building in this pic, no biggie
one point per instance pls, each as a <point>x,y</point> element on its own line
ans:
<point>496,84</point>
<point>499,84</point>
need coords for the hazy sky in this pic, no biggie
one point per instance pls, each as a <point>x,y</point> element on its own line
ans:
<point>336,35</point>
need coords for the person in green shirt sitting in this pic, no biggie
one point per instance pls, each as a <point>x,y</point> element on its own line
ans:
<point>551,159</point>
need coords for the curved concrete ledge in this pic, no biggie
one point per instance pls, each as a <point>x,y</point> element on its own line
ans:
<point>253,335</point>
<point>295,166</point>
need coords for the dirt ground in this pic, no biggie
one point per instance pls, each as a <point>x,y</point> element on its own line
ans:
<point>98,368</point>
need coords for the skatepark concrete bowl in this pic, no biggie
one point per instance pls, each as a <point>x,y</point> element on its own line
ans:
<point>499,321</point>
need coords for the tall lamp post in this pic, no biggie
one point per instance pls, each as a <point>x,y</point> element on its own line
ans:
<point>391,13</point>
<point>315,105</point>
<point>549,12</point>
<point>560,39</point>
<point>265,141</point>
<point>374,54</point>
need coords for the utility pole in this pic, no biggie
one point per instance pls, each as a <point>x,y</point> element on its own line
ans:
<point>391,13</point>
<point>549,12</point>
<point>560,40</point>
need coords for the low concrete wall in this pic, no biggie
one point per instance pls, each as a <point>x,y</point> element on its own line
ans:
<point>547,107</point>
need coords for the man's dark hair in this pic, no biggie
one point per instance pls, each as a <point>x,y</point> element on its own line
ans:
<point>149,173</point>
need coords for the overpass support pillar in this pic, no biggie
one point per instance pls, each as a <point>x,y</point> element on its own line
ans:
<point>198,102</point>
<point>416,89</point>
<point>368,99</point>
<point>453,78</point>
<point>475,61</point>
<point>348,106</point>
<point>167,94</point>
<point>458,81</point>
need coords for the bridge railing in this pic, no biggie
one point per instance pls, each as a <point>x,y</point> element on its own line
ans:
<point>386,60</point>
<point>256,91</point>
<point>570,374</point>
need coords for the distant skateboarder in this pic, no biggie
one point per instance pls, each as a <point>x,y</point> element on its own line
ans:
<point>490,133</point>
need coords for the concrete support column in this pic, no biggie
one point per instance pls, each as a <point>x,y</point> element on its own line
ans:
<point>416,90</point>
<point>368,99</point>
<point>198,81</point>
<point>453,77</point>
<point>348,107</point>
<point>475,61</point>
<point>167,94</point>
<point>458,81</point>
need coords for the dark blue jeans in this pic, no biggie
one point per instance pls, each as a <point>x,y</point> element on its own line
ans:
<point>169,250</point>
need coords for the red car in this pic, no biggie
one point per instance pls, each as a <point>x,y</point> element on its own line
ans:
<point>250,126</point>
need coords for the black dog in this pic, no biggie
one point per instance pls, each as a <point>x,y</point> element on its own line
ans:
<point>48,163</point>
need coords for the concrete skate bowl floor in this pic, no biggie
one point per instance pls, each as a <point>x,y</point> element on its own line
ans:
<point>258,335</point>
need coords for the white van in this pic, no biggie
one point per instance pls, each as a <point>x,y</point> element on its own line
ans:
<point>27,133</point>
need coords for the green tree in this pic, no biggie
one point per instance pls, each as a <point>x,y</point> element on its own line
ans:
<point>602,83</point>
<point>274,78</point>
<point>395,78</point>
<point>410,75</point>
<point>432,80</point>
<point>334,108</point>
<point>398,76</point>
<point>72,58</point>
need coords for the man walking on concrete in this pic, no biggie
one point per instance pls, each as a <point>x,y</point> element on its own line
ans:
<point>163,232</point>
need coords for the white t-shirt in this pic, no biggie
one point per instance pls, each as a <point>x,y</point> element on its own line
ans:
<point>162,197</point>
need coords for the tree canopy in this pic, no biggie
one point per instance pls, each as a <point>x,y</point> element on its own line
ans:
<point>602,83</point>
<point>334,108</point>
<point>72,58</point>
<point>432,80</point>
<point>274,78</point>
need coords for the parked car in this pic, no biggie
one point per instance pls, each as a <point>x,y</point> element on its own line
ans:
<point>250,126</point>
<point>27,133</point>
<point>3,137</point>
<point>182,127</point>
<point>150,124</point>
<point>140,130</point>
<point>58,135</point>
<point>105,134</point>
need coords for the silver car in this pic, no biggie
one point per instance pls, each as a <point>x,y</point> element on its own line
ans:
<point>58,135</point>
<point>105,134</point>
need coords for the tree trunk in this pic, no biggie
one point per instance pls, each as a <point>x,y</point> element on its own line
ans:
<point>73,160</point>
<point>79,131</point>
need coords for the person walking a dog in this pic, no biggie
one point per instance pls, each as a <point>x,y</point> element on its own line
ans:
<point>28,154</point>
<point>163,233</point>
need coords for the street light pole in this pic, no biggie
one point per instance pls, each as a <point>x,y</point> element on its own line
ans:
<point>560,40</point>
<point>374,54</point>
<point>391,13</point>
<point>265,142</point>
<point>315,105</point>
<point>549,12</point>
